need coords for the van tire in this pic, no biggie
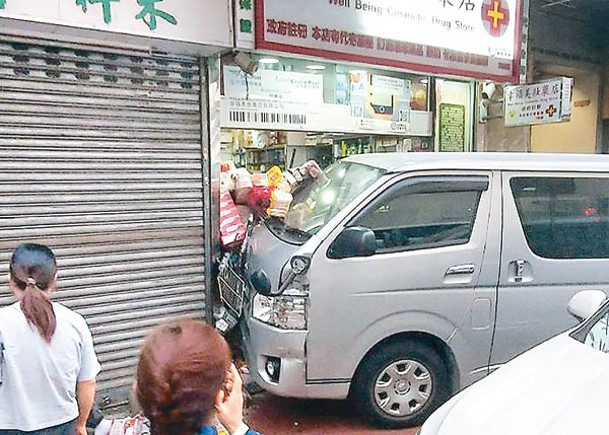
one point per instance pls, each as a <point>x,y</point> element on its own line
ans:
<point>412,381</point>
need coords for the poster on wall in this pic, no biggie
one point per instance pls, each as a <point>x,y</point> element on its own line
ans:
<point>471,38</point>
<point>376,99</point>
<point>271,85</point>
<point>452,127</point>
<point>179,20</point>
<point>287,100</point>
<point>538,103</point>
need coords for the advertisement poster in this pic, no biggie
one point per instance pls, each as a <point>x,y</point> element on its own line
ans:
<point>286,100</point>
<point>273,85</point>
<point>380,97</point>
<point>538,103</point>
<point>473,38</point>
<point>452,127</point>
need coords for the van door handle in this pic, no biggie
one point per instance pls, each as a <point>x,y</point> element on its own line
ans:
<point>464,269</point>
<point>519,270</point>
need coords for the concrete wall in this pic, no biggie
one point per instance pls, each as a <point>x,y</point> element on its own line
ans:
<point>579,135</point>
<point>566,46</point>
<point>493,135</point>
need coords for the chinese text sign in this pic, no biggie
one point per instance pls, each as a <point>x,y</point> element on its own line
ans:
<point>474,38</point>
<point>538,103</point>
<point>182,20</point>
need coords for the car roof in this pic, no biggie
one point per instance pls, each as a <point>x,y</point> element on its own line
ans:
<point>397,162</point>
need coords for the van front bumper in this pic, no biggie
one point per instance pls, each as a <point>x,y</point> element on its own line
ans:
<point>277,362</point>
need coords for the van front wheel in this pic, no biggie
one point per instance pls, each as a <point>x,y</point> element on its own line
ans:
<point>400,384</point>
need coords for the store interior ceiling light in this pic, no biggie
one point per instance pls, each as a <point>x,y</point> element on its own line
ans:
<point>316,67</point>
<point>424,81</point>
<point>268,60</point>
<point>358,71</point>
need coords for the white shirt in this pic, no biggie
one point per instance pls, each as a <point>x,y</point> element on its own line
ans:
<point>38,388</point>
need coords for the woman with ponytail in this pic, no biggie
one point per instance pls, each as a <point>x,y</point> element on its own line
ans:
<point>186,382</point>
<point>47,362</point>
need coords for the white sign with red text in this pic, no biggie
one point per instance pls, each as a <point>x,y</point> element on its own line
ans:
<point>473,38</point>
<point>538,103</point>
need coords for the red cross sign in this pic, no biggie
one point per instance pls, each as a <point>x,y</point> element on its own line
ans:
<point>495,16</point>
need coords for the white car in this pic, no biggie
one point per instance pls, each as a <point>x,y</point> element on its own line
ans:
<point>559,387</point>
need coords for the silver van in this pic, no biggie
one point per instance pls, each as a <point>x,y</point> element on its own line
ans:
<point>400,278</point>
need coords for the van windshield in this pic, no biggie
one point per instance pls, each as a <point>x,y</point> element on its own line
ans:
<point>315,204</point>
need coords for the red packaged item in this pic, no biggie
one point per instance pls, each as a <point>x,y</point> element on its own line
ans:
<point>259,199</point>
<point>232,228</point>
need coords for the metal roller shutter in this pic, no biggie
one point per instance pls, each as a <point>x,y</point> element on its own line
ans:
<point>101,159</point>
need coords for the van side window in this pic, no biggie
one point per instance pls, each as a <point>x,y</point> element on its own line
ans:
<point>414,217</point>
<point>564,217</point>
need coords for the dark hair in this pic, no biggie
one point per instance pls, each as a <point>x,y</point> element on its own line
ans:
<point>33,268</point>
<point>182,366</point>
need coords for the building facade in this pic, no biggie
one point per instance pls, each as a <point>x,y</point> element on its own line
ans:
<point>106,123</point>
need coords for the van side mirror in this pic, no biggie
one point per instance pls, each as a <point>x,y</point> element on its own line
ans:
<point>353,242</point>
<point>585,303</point>
<point>261,282</point>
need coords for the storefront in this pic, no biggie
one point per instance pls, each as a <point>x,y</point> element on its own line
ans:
<point>292,110</point>
<point>106,126</point>
<point>342,77</point>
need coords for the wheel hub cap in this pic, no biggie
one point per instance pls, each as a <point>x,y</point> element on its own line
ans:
<point>403,388</point>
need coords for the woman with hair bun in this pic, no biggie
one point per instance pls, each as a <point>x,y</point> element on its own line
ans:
<point>186,382</point>
<point>47,362</point>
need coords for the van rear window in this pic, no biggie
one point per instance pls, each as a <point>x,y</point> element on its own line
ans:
<point>564,217</point>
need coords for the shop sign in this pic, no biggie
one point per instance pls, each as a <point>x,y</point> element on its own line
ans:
<point>294,116</point>
<point>538,103</point>
<point>452,127</point>
<point>182,20</point>
<point>473,38</point>
<point>284,100</point>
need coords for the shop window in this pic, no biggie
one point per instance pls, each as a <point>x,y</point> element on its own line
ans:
<point>564,217</point>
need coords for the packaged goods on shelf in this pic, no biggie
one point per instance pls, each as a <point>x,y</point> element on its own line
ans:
<point>300,176</point>
<point>268,194</point>
<point>280,203</point>
<point>232,227</point>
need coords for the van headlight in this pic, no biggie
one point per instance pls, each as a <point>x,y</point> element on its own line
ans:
<point>287,311</point>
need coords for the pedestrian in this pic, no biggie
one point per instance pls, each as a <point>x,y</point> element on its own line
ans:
<point>186,382</point>
<point>47,362</point>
